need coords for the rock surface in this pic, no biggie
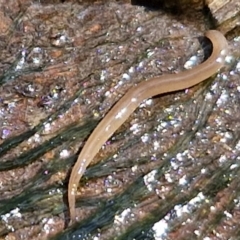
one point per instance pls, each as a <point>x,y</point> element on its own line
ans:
<point>170,172</point>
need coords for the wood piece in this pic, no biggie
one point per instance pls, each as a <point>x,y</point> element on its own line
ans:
<point>226,14</point>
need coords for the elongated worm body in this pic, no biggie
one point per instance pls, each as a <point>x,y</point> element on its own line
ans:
<point>132,99</point>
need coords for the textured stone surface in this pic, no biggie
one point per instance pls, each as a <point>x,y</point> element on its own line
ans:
<point>173,166</point>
